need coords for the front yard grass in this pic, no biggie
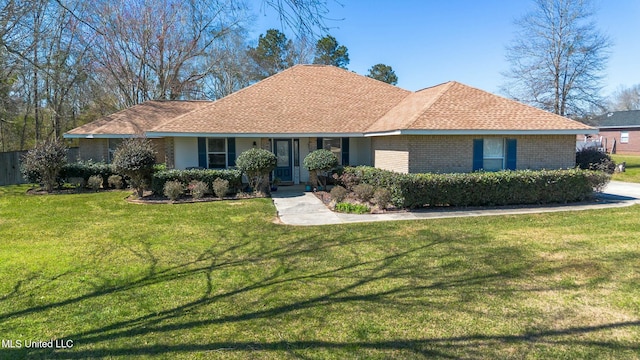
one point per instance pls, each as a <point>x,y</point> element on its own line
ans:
<point>221,280</point>
<point>632,173</point>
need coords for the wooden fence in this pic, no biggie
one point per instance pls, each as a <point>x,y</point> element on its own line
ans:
<point>10,166</point>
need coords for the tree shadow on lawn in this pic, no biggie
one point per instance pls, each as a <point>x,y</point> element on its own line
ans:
<point>351,284</point>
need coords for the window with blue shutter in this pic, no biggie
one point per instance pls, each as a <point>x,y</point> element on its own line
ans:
<point>345,151</point>
<point>512,154</point>
<point>478,154</point>
<point>231,152</point>
<point>202,152</point>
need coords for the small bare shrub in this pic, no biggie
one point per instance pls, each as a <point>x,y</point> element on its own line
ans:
<point>198,189</point>
<point>94,182</point>
<point>348,180</point>
<point>338,193</point>
<point>382,198</point>
<point>115,181</point>
<point>220,187</point>
<point>364,192</point>
<point>173,189</point>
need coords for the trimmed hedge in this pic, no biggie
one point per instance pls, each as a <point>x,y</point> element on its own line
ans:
<point>483,188</point>
<point>207,176</point>
<point>86,169</point>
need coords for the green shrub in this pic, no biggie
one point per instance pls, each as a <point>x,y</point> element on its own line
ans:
<point>382,198</point>
<point>207,176</point>
<point>220,187</point>
<point>94,182</point>
<point>592,159</point>
<point>115,181</point>
<point>364,192</point>
<point>44,162</point>
<point>86,169</point>
<point>347,179</point>
<point>320,161</point>
<point>135,159</point>
<point>173,189</point>
<point>257,164</point>
<point>484,188</point>
<point>338,193</point>
<point>198,189</point>
<point>350,208</point>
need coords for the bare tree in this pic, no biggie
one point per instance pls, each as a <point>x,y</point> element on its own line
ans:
<point>625,99</point>
<point>558,58</point>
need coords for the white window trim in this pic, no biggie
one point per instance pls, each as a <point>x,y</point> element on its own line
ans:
<point>624,137</point>
<point>502,157</point>
<point>226,153</point>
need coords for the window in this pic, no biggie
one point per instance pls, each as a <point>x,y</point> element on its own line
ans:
<point>217,153</point>
<point>493,154</point>
<point>624,137</point>
<point>113,145</point>
<point>333,145</point>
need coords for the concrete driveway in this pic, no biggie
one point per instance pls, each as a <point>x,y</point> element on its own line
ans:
<point>296,207</point>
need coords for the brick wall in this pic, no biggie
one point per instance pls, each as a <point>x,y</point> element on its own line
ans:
<point>546,151</point>
<point>454,153</point>
<point>93,149</point>
<point>159,147</point>
<point>632,147</point>
<point>391,153</point>
<point>170,153</point>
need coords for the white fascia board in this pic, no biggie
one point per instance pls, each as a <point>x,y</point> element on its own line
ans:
<point>619,127</point>
<point>98,136</point>
<point>252,135</point>
<point>486,132</point>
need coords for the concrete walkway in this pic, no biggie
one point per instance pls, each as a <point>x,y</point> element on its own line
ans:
<point>296,207</point>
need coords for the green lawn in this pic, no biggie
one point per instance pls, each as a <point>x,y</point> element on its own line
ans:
<point>221,280</point>
<point>632,173</point>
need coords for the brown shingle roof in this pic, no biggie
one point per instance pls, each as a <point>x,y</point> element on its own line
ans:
<point>139,118</point>
<point>318,99</point>
<point>301,99</point>
<point>455,106</point>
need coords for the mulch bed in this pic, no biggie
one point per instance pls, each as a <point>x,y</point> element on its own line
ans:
<point>325,197</point>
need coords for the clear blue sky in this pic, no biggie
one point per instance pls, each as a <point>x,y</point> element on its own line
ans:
<point>428,42</point>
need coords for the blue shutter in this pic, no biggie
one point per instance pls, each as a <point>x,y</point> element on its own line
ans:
<point>319,143</point>
<point>202,152</point>
<point>478,156</point>
<point>345,151</point>
<point>512,153</point>
<point>231,152</point>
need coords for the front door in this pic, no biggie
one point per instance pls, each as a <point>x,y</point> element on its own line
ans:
<point>282,150</point>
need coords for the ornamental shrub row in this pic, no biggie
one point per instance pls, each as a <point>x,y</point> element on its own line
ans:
<point>87,169</point>
<point>208,176</point>
<point>483,188</point>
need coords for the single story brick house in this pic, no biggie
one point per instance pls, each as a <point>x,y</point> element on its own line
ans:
<point>619,132</point>
<point>449,127</point>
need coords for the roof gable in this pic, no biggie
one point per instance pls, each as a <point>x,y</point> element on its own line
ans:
<point>138,119</point>
<point>301,99</point>
<point>455,106</point>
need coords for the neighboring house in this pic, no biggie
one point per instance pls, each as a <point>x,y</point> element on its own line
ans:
<point>619,132</point>
<point>446,128</point>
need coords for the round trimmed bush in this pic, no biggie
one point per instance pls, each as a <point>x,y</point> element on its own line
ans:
<point>257,164</point>
<point>44,162</point>
<point>95,182</point>
<point>173,189</point>
<point>319,161</point>
<point>135,159</point>
<point>593,159</point>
